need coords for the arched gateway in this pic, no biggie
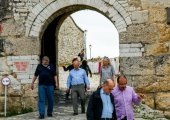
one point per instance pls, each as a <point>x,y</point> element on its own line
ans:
<point>46,12</point>
<point>46,17</point>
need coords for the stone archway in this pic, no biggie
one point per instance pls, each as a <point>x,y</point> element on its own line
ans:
<point>45,12</point>
<point>53,13</point>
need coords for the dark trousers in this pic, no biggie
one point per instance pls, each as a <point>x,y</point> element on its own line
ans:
<point>78,91</point>
<point>43,92</point>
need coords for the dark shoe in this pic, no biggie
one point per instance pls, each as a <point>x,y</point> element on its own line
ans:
<point>41,117</point>
<point>74,114</point>
<point>50,115</point>
<point>82,112</point>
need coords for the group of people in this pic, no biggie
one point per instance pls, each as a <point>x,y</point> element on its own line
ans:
<point>108,102</point>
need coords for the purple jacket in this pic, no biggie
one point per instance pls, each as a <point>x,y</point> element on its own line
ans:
<point>124,101</point>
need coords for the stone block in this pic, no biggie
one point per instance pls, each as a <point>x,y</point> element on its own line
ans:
<point>130,50</point>
<point>3,65</point>
<point>2,88</point>
<point>22,76</point>
<point>20,4</point>
<point>137,65</point>
<point>111,2</point>
<point>164,32</point>
<point>26,81</point>
<point>35,57</point>
<point>163,65</point>
<point>151,83</point>
<point>136,45</point>
<point>2,101</point>
<point>30,102</point>
<point>155,3</point>
<point>124,45</point>
<point>25,57</point>
<point>121,30</point>
<point>33,34</point>
<point>28,92</point>
<point>136,54</point>
<point>162,101</point>
<point>34,62</point>
<point>157,49</point>
<point>14,103</point>
<point>149,100</point>
<point>158,15</point>
<point>128,20</point>
<point>22,10</point>
<point>143,33</point>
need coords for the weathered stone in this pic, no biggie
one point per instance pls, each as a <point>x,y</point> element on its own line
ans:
<point>155,3</point>
<point>140,16</point>
<point>137,66</point>
<point>163,65</point>
<point>28,92</point>
<point>157,49</point>
<point>2,101</point>
<point>22,46</point>
<point>14,104</point>
<point>158,14</point>
<point>3,66</point>
<point>30,102</point>
<point>14,89</point>
<point>164,32</point>
<point>162,101</point>
<point>70,35</point>
<point>167,114</point>
<point>149,100</point>
<point>144,33</point>
<point>12,28</point>
<point>152,85</point>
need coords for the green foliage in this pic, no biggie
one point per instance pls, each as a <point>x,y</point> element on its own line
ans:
<point>14,112</point>
<point>26,110</point>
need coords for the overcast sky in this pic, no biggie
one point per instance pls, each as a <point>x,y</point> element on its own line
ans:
<point>101,33</point>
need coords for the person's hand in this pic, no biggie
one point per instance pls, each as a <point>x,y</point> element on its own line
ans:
<point>88,88</point>
<point>32,86</point>
<point>90,75</point>
<point>56,86</point>
<point>67,90</point>
<point>141,96</point>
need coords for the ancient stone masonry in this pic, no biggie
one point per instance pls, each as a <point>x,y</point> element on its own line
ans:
<point>144,41</point>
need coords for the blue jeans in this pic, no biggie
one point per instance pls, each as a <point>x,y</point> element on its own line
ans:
<point>43,92</point>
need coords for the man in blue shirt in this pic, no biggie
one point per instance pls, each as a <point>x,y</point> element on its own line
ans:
<point>77,79</point>
<point>101,104</point>
<point>47,80</point>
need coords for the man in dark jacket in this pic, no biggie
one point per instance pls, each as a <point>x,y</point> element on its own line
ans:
<point>101,104</point>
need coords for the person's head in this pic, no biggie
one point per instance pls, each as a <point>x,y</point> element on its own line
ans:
<point>76,63</point>
<point>82,50</point>
<point>122,82</point>
<point>74,59</point>
<point>106,61</point>
<point>45,60</point>
<point>84,63</point>
<point>108,86</point>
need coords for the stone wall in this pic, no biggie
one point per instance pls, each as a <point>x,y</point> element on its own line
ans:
<point>143,30</point>
<point>147,66</point>
<point>20,70</point>
<point>19,55</point>
<point>71,41</point>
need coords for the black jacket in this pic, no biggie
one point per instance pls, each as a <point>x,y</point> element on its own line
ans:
<point>95,106</point>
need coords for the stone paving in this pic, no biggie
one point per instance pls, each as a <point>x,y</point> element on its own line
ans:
<point>63,109</point>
